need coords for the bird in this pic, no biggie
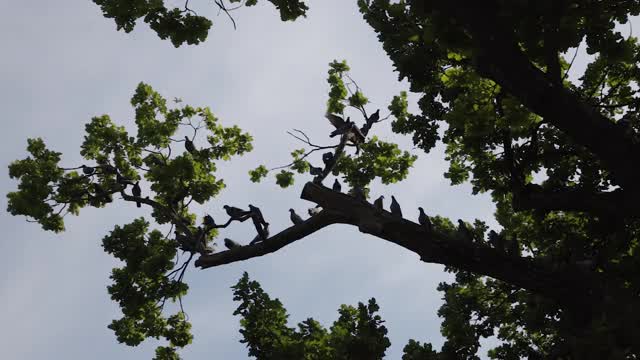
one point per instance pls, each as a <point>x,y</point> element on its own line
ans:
<point>108,169</point>
<point>424,220</point>
<point>255,212</point>
<point>188,144</point>
<point>315,170</point>
<point>258,221</point>
<point>496,241</point>
<point>122,180</point>
<point>358,193</point>
<point>336,185</point>
<point>136,191</point>
<point>235,213</point>
<point>295,218</point>
<point>314,210</point>
<point>345,127</point>
<point>208,221</point>
<point>374,118</point>
<point>230,244</point>
<point>259,237</point>
<point>87,170</point>
<point>327,158</point>
<point>463,231</point>
<point>395,207</point>
<point>378,203</point>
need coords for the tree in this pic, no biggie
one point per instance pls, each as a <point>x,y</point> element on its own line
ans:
<point>558,157</point>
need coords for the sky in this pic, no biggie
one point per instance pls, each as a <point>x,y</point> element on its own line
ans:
<point>63,63</point>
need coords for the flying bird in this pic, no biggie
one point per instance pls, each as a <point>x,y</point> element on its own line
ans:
<point>295,218</point>
<point>235,213</point>
<point>378,203</point>
<point>395,207</point>
<point>87,170</point>
<point>188,144</point>
<point>424,220</point>
<point>336,185</point>
<point>136,191</point>
<point>345,127</point>
<point>230,244</point>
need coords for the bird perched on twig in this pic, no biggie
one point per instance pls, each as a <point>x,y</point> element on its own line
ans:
<point>346,127</point>
<point>314,210</point>
<point>208,221</point>
<point>374,118</point>
<point>295,218</point>
<point>258,221</point>
<point>424,220</point>
<point>463,231</point>
<point>87,170</point>
<point>395,207</point>
<point>378,203</point>
<point>188,144</point>
<point>236,213</point>
<point>336,185</point>
<point>137,192</point>
<point>230,244</point>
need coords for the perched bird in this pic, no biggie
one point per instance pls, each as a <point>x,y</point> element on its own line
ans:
<point>336,185</point>
<point>345,127</point>
<point>208,221</point>
<point>314,210</point>
<point>295,218</point>
<point>230,244</point>
<point>188,144</point>
<point>87,170</point>
<point>358,193</point>
<point>184,241</point>
<point>374,118</point>
<point>315,170</point>
<point>496,241</point>
<point>108,169</point>
<point>464,232</point>
<point>378,203</point>
<point>259,237</point>
<point>424,220</point>
<point>258,221</point>
<point>255,212</point>
<point>136,191</point>
<point>395,207</point>
<point>235,213</point>
<point>327,158</point>
<point>122,180</point>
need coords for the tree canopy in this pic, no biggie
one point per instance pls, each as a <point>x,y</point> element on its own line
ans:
<point>558,156</point>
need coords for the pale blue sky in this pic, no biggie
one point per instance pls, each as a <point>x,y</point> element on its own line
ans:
<point>63,63</point>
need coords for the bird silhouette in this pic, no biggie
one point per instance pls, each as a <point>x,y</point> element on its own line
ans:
<point>395,207</point>
<point>358,193</point>
<point>315,170</point>
<point>378,203</point>
<point>136,191</point>
<point>295,218</point>
<point>208,221</point>
<point>327,158</point>
<point>345,127</point>
<point>496,241</point>
<point>235,213</point>
<point>230,244</point>
<point>188,144</point>
<point>336,185</point>
<point>464,231</point>
<point>87,170</point>
<point>424,220</point>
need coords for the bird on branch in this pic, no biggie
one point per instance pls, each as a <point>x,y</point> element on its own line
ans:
<point>314,210</point>
<point>336,185</point>
<point>424,220</point>
<point>346,127</point>
<point>108,169</point>
<point>259,237</point>
<point>188,144</point>
<point>327,158</point>
<point>378,203</point>
<point>374,118</point>
<point>463,231</point>
<point>316,171</point>
<point>295,218</point>
<point>208,221</point>
<point>122,180</point>
<point>496,241</point>
<point>358,193</point>
<point>395,207</point>
<point>88,170</point>
<point>137,192</point>
<point>236,213</point>
<point>258,221</point>
<point>230,244</point>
